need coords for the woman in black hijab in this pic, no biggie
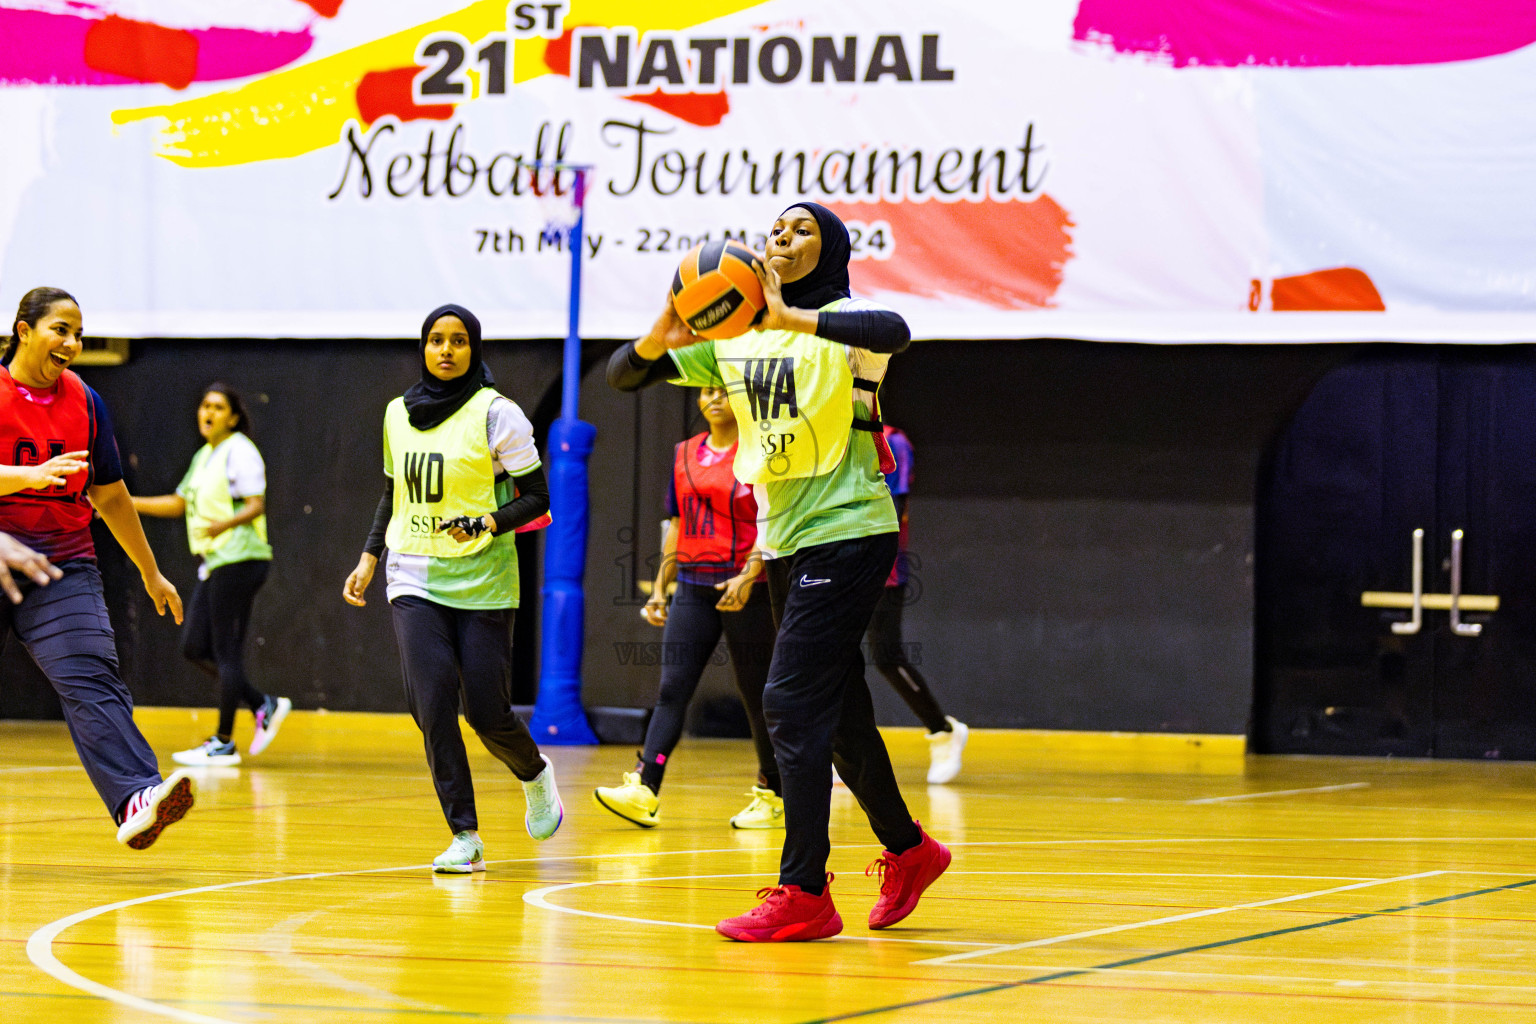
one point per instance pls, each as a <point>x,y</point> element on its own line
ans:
<point>829,537</point>
<point>456,446</point>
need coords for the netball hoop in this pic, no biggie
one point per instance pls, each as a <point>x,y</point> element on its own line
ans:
<point>558,715</point>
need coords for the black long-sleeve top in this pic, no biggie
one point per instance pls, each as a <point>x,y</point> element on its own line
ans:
<point>878,330</point>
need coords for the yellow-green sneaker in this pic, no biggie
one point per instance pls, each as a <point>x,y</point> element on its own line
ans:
<point>633,801</point>
<point>765,811</point>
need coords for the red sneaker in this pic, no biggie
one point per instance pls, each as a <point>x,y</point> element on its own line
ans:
<point>787,914</point>
<point>905,877</point>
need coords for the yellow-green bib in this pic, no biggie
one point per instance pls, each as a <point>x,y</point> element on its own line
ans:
<point>440,473</point>
<point>792,394</point>
<point>206,492</point>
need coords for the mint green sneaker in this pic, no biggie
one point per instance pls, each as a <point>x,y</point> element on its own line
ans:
<point>545,811</point>
<point>465,854</point>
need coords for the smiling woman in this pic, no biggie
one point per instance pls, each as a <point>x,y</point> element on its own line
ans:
<point>58,462</point>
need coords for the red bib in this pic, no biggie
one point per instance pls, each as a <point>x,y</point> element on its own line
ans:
<point>56,521</point>
<point>717,513</point>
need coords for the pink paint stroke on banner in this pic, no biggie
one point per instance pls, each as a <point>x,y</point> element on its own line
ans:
<point>50,49</point>
<point>1307,33</point>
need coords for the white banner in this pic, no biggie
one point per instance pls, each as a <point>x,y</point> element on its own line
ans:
<point>1106,169</point>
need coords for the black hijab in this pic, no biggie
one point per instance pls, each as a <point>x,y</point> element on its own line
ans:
<point>829,280</point>
<point>431,401</point>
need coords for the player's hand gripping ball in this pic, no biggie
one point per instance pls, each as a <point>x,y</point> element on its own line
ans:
<point>716,292</point>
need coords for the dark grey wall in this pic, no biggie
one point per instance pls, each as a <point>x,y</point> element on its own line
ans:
<point>1081,521</point>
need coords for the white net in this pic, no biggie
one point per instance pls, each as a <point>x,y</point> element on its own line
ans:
<point>560,191</point>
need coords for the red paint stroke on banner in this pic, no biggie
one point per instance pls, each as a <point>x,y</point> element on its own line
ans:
<point>61,49</point>
<point>1307,33</point>
<point>705,109</point>
<point>1339,289</point>
<point>1007,255</point>
<point>557,52</point>
<point>324,8</point>
<point>389,92</point>
<point>142,51</point>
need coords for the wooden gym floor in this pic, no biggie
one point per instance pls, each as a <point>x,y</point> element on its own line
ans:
<point>1095,878</point>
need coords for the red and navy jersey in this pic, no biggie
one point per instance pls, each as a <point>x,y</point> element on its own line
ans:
<point>36,425</point>
<point>716,513</point>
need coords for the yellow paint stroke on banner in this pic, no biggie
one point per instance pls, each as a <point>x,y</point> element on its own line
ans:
<point>660,16</point>
<point>297,111</point>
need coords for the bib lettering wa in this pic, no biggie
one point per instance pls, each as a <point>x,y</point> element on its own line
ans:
<point>793,398</point>
<point>439,473</point>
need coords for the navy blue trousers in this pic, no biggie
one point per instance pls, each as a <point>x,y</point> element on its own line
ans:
<point>449,655</point>
<point>818,705</point>
<point>65,628</point>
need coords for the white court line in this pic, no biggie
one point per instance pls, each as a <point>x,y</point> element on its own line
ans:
<point>1280,792</point>
<point>46,768</point>
<point>1211,912</point>
<point>277,944</point>
<point>539,898</point>
<point>40,943</point>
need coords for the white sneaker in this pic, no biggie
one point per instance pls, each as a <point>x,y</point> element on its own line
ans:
<point>269,719</point>
<point>765,811</point>
<point>944,750</point>
<point>465,854</point>
<point>545,811</point>
<point>211,752</point>
<point>153,808</point>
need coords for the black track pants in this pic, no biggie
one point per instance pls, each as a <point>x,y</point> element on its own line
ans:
<point>448,655</point>
<point>817,703</point>
<point>688,641</point>
<point>890,657</point>
<point>213,636</point>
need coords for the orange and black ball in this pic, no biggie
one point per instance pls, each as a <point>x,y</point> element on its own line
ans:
<point>715,290</point>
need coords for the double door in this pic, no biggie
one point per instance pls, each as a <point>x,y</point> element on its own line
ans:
<point>1395,560</point>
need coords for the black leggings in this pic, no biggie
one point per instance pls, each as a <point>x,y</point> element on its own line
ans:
<point>449,654</point>
<point>213,637</point>
<point>688,642</point>
<point>890,657</point>
<point>818,706</point>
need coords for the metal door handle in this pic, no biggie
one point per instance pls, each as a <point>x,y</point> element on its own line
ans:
<point>1414,624</point>
<point>1457,626</point>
